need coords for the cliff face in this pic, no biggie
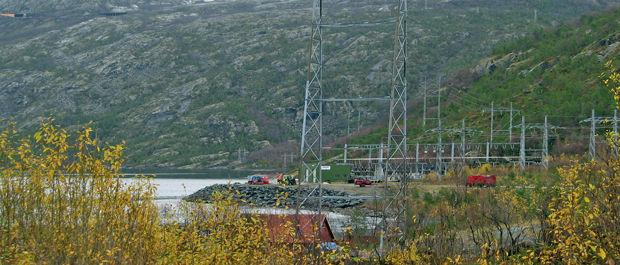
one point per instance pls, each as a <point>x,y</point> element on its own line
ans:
<point>188,83</point>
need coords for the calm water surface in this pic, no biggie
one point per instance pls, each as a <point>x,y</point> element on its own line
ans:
<point>177,183</point>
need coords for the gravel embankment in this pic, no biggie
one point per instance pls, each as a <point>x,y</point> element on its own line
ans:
<point>267,196</point>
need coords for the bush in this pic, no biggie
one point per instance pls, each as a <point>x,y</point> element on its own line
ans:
<point>63,201</point>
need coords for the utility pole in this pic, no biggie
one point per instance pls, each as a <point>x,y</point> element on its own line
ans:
<point>242,155</point>
<point>452,154</point>
<point>424,109</point>
<point>522,149</point>
<point>346,151</point>
<point>615,143</point>
<point>439,144</point>
<point>493,110</point>
<point>592,150</point>
<point>545,151</point>
<point>463,144</point>
<point>286,156</point>
<point>492,128</point>
<point>439,148</point>
<point>615,121</point>
<point>349,121</point>
<point>427,95</point>
<point>593,121</point>
<point>488,152</point>
<point>510,128</point>
<point>439,151</point>
<point>417,158</point>
<point>359,115</point>
<point>439,101</point>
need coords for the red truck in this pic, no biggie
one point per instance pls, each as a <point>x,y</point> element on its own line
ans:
<point>482,181</point>
<point>362,182</point>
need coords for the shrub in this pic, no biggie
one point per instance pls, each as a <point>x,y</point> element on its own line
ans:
<point>63,201</point>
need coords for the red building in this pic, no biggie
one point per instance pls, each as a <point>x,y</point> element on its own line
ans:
<point>280,227</point>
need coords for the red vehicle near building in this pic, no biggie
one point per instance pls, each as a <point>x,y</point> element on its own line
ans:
<point>362,182</point>
<point>482,181</point>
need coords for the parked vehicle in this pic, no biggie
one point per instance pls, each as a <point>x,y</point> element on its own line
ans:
<point>482,181</point>
<point>258,179</point>
<point>362,182</point>
<point>286,180</point>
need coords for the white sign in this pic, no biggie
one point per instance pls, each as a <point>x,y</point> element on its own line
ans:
<point>326,167</point>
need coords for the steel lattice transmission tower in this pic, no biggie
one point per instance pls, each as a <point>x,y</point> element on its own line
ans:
<point>311,140</point>
<point>397,132</point>
<point>312,131</point>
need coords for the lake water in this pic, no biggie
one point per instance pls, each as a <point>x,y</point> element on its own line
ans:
<point>177,183</point>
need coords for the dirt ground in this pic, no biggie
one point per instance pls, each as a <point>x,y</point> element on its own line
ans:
<point>370,190</point>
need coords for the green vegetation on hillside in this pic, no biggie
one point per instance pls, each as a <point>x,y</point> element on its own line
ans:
<point>554,72</point>
<point>189,85</point>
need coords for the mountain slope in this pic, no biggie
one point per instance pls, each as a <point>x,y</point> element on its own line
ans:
<point>556,72</point>
<point>190,83</point>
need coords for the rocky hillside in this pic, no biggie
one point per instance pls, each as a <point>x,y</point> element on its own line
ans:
<point>83,7</point>
<point>188,83</point>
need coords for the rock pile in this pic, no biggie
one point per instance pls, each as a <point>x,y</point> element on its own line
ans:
<point>276,196</point>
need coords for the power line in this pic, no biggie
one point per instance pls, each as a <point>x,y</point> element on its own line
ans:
<point>541,10</point>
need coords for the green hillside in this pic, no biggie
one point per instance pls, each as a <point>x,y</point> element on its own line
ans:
<point>555,72</point>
